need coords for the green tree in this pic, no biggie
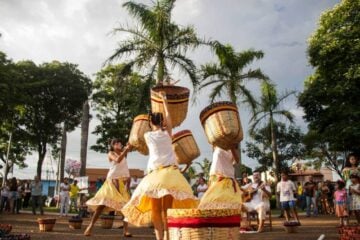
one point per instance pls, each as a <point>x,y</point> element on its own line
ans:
<point>204,168</point>
<point>157,43</point>
<point>117,98</point>
<point>331,95</point>
<point>289,142</point>
<point>55,98</point>
<point>268,109</point>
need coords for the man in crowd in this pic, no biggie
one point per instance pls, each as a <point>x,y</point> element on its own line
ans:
<point>310,196</point>
<point>36,198</point>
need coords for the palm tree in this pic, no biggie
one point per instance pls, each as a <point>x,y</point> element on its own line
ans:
<point>229,76</point>
<point>205,168</point>
<point>157,43</point>
<point>269,108</point>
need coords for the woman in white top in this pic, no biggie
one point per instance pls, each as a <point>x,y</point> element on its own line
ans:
<point>164,186</point>
<point>224,191</point>
<point>113,194</point>
<point>64,197</point>
<point>201,188</point>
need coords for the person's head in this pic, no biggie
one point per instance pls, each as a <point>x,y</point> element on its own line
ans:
<point>340,184</point>
<point>115,144</point>
<point>36,178</point>
<point>75,182</point>
<point>66,181</point>
<point>351,161</point>
<point>13,180</point>
<point>284,176</point>
<point>354,178</point>
<point>201,181</point>
<point>244,175</point>
<point>257,176</point>
<point>299,183</point>
<point>310,178</point>
<point>156,120</point>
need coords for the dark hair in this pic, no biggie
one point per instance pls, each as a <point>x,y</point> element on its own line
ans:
<point>285,173</point>
<point>347,163</point>
<point>340,183</point>
<point>156,118</point>
<point>112,142</point>
<point>354,175</point>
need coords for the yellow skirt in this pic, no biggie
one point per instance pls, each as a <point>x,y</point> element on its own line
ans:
<point>223,193</point>
<point>157,184</point>
<point>110,197</point>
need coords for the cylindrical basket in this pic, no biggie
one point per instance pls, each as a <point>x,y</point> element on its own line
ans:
<point>178,101</point>
<point>107,222</point>
<point>46,224</point>
<point>222,125</point>
<point>139,128</point>
<point>199,224</point>
<point>291,229</point>
<point>185,147</point>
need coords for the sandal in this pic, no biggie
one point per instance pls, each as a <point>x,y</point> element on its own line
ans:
<point>87,232</point>
<point>127,235</point>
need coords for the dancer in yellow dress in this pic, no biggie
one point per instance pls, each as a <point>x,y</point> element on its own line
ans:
<point>164,186</point>
<point>113,194</point>
<point>224,191</point>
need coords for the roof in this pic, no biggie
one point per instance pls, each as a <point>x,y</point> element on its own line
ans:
<point>307,173</point>
<point>95,173</point>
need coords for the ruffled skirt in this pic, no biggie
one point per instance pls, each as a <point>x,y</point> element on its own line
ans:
<point>223,193</point>
<point>157,184</point>
<point>110,197</point>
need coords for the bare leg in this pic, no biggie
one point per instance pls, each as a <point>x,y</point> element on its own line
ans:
<point>93,220</point>
<point>157,218</point>
<point>286,213</point>
<point>167,203</point>
<point>126,229</point>
<point>295,214</point>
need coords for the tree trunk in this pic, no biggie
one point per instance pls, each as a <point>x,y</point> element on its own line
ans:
<point>161,70</point>
<point>63,153</point>
<point>274,148</point>
<point>42,153</point>
<point>84,137</point>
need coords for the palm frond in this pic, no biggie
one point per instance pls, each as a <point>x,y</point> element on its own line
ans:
<point>244,58</point>
<point>143,13</point>
<point>284,96</point>
<point>255,124</point>
<point>286,114</point>
<point>216,91</point>
<point>249,99</point>
<point>185,65</point>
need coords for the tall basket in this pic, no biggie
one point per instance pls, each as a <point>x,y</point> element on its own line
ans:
<point>178,101</point>
<point>199,224</point>
<point>139,128</point>
<point>185,148</point>
<point>222,125</point>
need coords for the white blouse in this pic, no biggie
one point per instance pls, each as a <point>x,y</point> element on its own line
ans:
<point>161,153</point>
<point>222,163</point>
<point>118,170</point>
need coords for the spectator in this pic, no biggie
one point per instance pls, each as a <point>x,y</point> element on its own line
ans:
<point>245,180</point>
<point>74,195</point>
<point>310,197</point>
<point>4,196</point>
<point>20,194</point>
<point>201,188</point>
<point>98,184</point>
<point>64,197</point>
<point>27,194</point>
<point>36,192</point>
<point>134,183</point>
<point>13,187</point>
<point>330,196</point>
<point>300,196</point>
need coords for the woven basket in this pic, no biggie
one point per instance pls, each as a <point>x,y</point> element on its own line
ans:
<point>185,147</point>
<point>139,128</point>
<point>75,224</point>
<point>222,125</point>
<point>107,222</point>
<point>46,224</point>
<point>291,229</point>
<point>199,224</point>
<point>178,101</point>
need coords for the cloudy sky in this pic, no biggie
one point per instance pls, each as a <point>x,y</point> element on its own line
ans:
<point>78,32</point>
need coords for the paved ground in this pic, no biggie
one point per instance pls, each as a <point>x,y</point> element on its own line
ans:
<point>311,229</point>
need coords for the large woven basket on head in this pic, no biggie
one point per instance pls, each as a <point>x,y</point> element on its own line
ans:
<point>185,148</point>
<point>178,101</point>
<point>222,125</point>
<point>139,128</point>
<point>199,224</point>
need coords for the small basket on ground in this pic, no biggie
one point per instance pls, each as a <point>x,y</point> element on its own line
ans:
<point>199,224</point>
<point>75,222</point>
<point>177,99</point>
<point>185,148</point>
<point>16,237</point>
<point>139,128</point>
<point>107,221</point>
<point>222,125</point>
<point>46,224</point>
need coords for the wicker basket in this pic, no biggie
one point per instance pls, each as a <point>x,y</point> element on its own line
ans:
<point>46,224</point>
<point>222,125</point>
<point>178,101</point>
<point>75,224</point>
<point>107,222</point>
<point>139,128</point>
<point>199,224</point>
<point>185,147</point>
<point>291,229</point>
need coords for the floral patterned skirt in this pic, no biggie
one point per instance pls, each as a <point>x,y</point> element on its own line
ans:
<point>223,193</point>
<point>158,184</point>
<point>113,199</point>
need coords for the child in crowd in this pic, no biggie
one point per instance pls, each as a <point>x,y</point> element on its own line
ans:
<point>340,197</point>
<point>354,191</point>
